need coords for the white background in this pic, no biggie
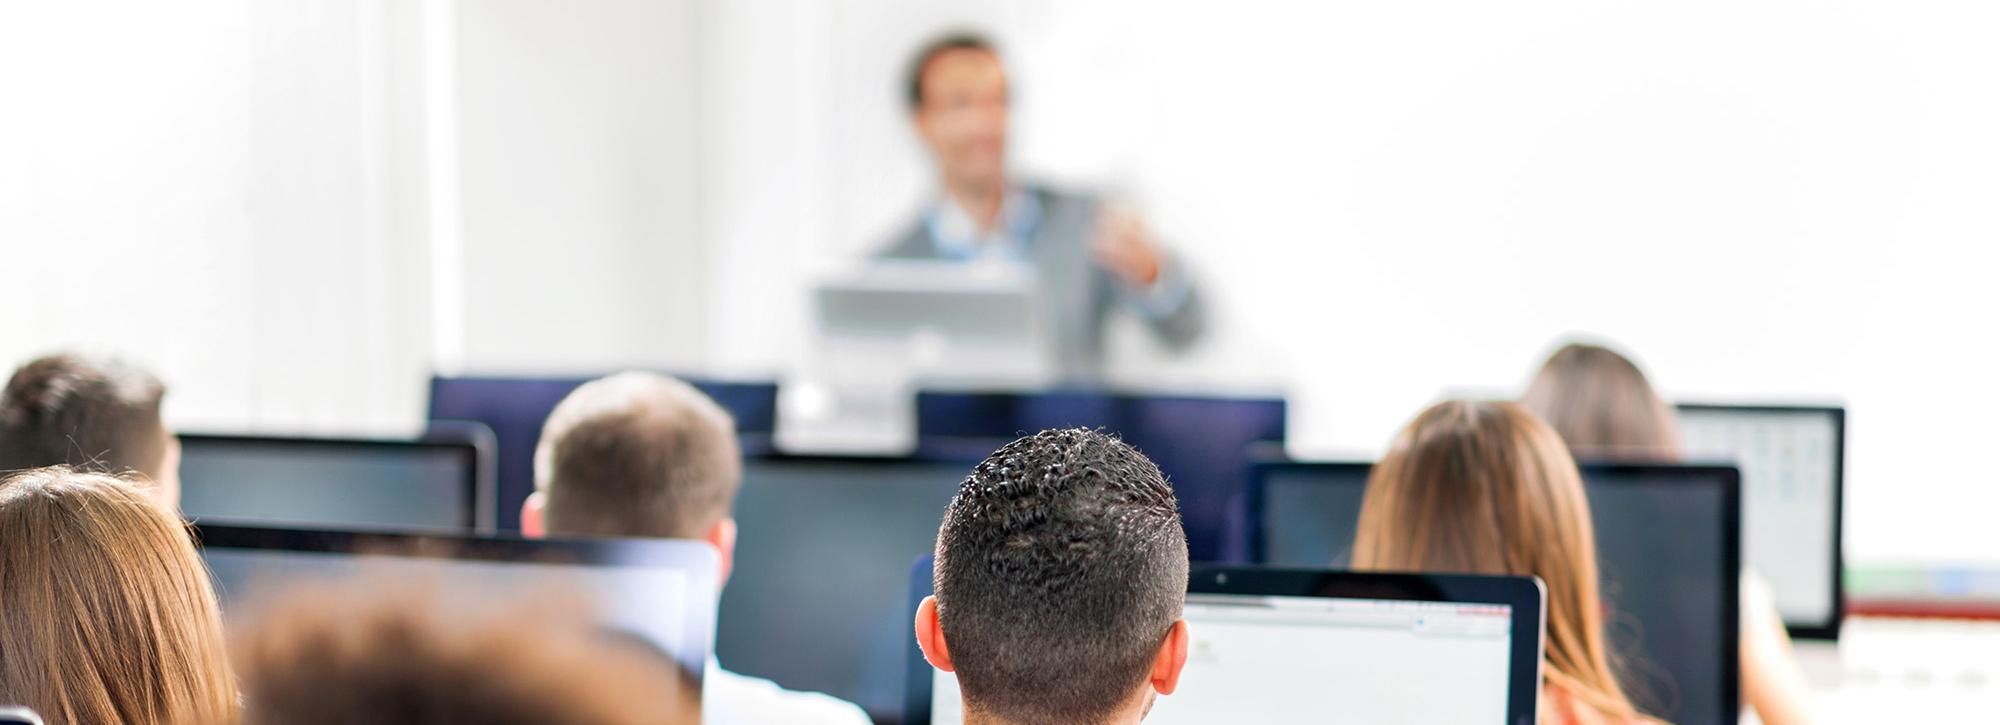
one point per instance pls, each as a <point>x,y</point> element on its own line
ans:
<point>296,210</point>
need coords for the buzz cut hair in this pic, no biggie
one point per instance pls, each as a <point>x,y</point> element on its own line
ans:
<point>1061,568</point>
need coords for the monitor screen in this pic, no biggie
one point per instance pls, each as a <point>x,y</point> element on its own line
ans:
<point>1791,463</point>
<point>660,591</point>
<point>835,535</point>
<point>1203,444</point>
<point>1667,556</point>
<point>330,483</point>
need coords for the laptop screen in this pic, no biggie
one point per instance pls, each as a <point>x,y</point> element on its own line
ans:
<point>329,482</point>
<point>1276,659</point>
<point>659,591</point>
<point>1667,559</point>
<point>1313,645</point>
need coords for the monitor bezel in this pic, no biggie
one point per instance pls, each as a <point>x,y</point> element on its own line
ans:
<point>1829,628</point>
<point>1526,597</point>
<point>472,441</point>
<point>698,558</point>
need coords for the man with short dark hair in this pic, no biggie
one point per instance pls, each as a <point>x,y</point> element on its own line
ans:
<point>93,413</point>
<point>1061,571</point>
<point>645,455</point>
<point>1087,258</point>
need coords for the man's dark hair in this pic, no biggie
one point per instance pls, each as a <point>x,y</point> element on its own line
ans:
<point>1061,567</point>
<point>93,413</point>
<point>913,78</point>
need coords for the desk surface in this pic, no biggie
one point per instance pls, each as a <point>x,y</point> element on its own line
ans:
<point>1905,670</point>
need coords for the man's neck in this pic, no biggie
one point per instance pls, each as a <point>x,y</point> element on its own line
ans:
<point>1128,715</point>
<point>982,202</point>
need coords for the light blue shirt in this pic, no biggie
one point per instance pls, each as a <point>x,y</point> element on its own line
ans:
<point>957,237</point>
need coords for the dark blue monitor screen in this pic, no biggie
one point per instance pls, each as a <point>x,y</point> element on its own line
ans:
<point>1667,544</point>
<point>1202,444</point>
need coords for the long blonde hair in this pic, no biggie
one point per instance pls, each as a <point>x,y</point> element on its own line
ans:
<point>110,614</point>
<point>1603,406</point>
<point>1487,488</point>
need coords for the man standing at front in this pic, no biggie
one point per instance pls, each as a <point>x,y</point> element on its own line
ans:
<point>1088,260</point>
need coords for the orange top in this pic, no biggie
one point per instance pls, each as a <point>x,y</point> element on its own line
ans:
<point>1560,707</point>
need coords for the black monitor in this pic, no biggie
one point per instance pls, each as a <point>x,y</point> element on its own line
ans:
<point>660,591</point>
<point>1667,539</point>
<point>1792,458</point>
<point>1202,443</point>
<point>441,483</point>
<point>815,599</point>
<point>515,407</point>
<point>1310,645</point>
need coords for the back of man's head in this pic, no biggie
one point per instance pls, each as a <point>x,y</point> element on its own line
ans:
<point>87,412</point>
<point>1061,570</point>
<point>637,454</point>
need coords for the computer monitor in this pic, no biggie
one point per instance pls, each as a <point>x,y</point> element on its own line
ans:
<point>1302,645</point>
<point>1202,443</point>
<point>442,483</point>
<point>660,591</point>
<point>929,319</point>
<point>1667,545</point>
<point>815,599</point>
<point>1792,459</point>
<point>515,407</point>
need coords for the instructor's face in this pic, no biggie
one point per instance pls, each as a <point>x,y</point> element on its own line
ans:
<point>963,117</point>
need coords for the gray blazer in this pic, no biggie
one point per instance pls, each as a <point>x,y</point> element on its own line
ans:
<point>1079,294</point>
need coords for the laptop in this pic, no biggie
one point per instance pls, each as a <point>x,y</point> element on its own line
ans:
<point>443,482</point>
<point>1667,557</point>
<point>1304,645</point>
<point>932,319</point>
<point>659,591</point>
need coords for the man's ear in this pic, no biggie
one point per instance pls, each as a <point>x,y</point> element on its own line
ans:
<point>930,636</point>
<point>1172,657</point>
<point>722,536</point>
<point>532,511</point>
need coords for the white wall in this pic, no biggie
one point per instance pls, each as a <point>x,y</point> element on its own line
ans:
<point>293,210</point>
<point>578,150</point>
<point>1761,198</point>
<point>200,186</point>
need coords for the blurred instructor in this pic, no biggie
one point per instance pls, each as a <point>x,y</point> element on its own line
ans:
<point>1087,259</point>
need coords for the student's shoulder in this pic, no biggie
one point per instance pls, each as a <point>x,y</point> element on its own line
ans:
<point>732,699</point>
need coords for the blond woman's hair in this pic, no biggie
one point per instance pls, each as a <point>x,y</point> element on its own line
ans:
<point>1488,488</point>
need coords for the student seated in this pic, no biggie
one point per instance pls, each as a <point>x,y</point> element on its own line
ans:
<point>324,655</point>
<point>1605,409</point>
<point>109,614</point>
<point>1487,488</point>
<point>93,414</point>
<point>643,455</point>
<point>1061,571</point>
